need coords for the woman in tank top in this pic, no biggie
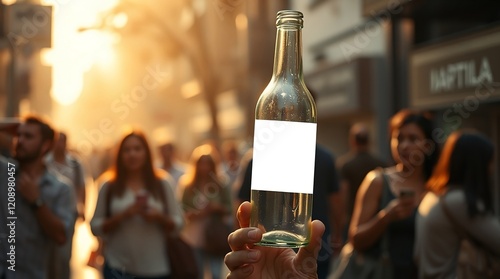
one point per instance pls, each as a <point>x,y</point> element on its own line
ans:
<point>387,199</point>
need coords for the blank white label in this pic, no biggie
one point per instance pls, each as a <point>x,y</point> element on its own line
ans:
<point>283,156</point>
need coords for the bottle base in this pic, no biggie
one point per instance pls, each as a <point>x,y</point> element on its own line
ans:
<point>282,239</point>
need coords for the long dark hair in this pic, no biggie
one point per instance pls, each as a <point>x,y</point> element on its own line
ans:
<point>465,163</point>
<point>207,152</point>
<point>152,179</point>
<point>424,122</point>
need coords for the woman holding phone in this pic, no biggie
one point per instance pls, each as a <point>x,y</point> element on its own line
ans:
<point>131,217</point>
<point>387,199</point>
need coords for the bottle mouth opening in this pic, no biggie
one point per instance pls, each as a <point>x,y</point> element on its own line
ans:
<point>289,18</point>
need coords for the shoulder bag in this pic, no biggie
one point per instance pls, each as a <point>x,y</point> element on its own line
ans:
<point>353,264</point>
<point>217,229</point>
<point>179,253</point>
<point>216,234</point>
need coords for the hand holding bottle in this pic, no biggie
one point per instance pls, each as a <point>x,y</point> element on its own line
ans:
<point>284,144</point>
<point>249,261</point>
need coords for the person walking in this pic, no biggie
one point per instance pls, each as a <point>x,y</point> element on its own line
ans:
<point>170,163</point>
<point>383,220</point>
<point>206,199</point>
<point>459,203</point>
<point>354,166</point>
<point>66,164</point>
<point>130,214</point>
<point>230,165</point>
<point>42,211</point>
<point>61,160</point>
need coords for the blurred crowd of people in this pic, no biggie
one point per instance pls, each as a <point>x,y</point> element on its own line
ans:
<point>407,219</point>
<point>145,193</point>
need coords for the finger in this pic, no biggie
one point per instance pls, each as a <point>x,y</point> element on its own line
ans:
<point>242,272</point>
<point>241,238</point>
<point>306,257</point>
<point>237,259</point>
<point>243,214</point>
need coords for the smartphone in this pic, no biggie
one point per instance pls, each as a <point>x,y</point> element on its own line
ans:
<point>406,193</point>
<point>142,198</point>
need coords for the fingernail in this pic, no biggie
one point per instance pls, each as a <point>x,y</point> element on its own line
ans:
<point>253,255</point>
<point>253,234</point>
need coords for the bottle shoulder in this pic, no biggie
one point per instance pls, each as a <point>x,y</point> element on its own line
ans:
<point>288,102</point>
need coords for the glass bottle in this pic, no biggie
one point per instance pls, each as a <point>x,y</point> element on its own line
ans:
<point>284,144</point>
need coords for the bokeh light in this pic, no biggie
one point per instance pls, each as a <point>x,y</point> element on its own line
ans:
<point>75,51</point>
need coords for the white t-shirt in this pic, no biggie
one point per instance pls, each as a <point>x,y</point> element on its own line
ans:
<point>137,246</point>
<point>438,240</point>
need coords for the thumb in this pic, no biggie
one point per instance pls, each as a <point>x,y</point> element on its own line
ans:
<point>307,256</point>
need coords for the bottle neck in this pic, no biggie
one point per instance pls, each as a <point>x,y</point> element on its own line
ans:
<point>288,53</point>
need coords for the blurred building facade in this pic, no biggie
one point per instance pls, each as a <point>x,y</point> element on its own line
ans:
<point>454,68</point>
<point>347,70</point>
<point>26,29</point>
<point>175,71</point>
<point>369,58</point>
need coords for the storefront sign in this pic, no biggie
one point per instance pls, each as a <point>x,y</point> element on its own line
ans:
<point>460,75</point>
<point>455,70</point>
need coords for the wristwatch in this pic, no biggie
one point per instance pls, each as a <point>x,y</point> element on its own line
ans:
<point>37,203</point>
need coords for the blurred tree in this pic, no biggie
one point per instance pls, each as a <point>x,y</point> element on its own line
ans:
<point>179,28</point>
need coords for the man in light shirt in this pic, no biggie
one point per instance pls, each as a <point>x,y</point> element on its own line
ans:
<point>42,212</point>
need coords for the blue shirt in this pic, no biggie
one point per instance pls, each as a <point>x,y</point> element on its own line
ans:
<point>23,241</point>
